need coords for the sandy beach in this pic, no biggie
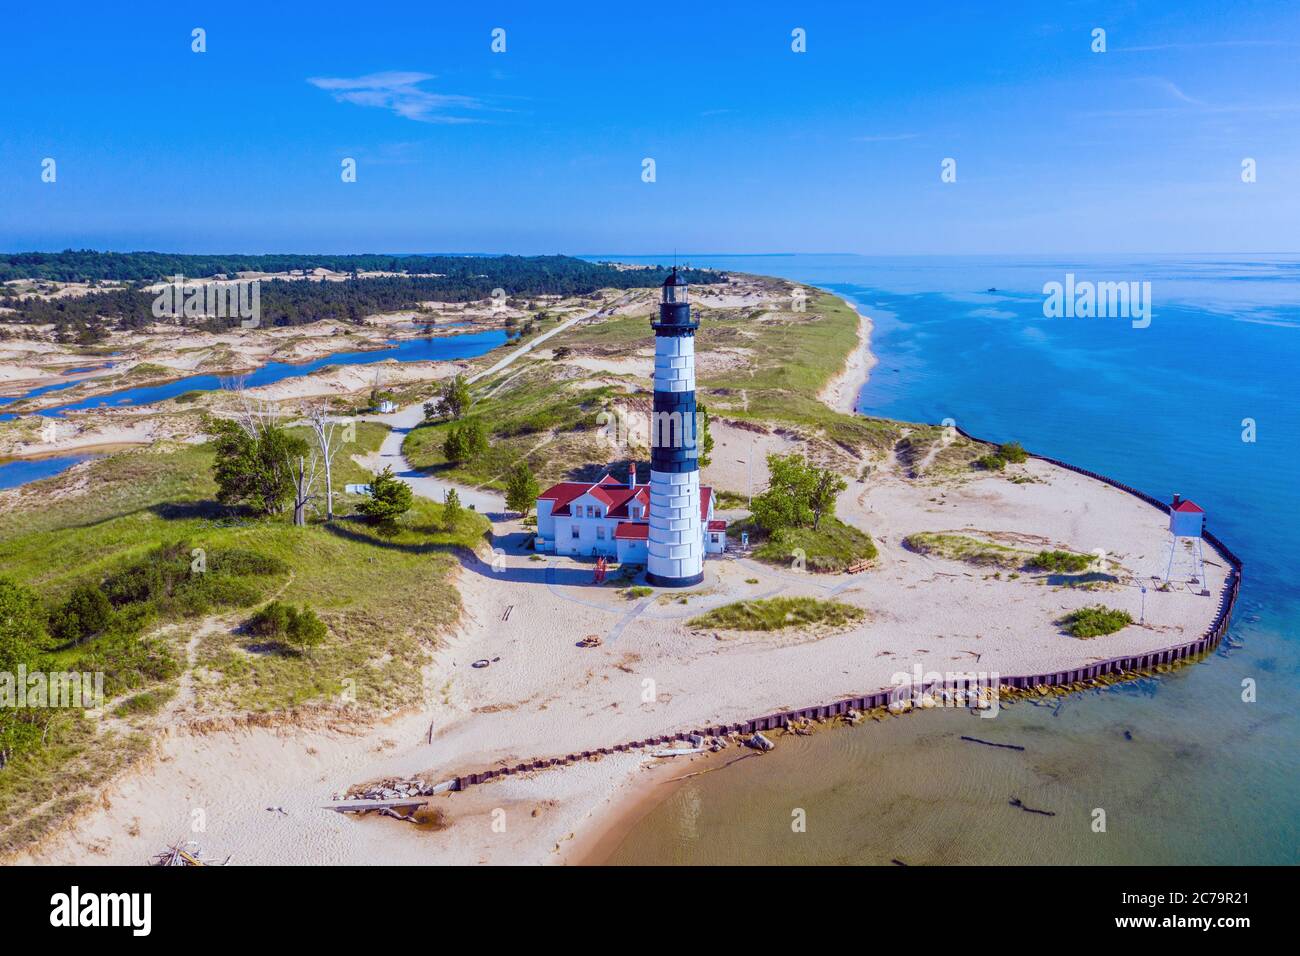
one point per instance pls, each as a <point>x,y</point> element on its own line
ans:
<point>841,392</point>
<point>653,674</point>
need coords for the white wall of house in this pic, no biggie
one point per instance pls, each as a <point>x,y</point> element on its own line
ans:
<point>586,534</point>
<point>631,551</point>
<point>545,525</point>
<point>585,537</point>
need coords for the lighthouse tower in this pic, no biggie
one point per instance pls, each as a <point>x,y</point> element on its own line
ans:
<point>675,546</point>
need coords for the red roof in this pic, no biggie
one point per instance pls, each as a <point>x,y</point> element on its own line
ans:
<point>563,493</point>
<point>617,497</point>
<point>612,493</point>
<point>717,526</point>
<point>632,531</point>
<point>1189,506</point>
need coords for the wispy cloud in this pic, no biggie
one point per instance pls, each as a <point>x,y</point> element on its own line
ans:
<point>1173,89</point>
<point>1186,103</point>
<point>401,93</point>
<point>885,138</point>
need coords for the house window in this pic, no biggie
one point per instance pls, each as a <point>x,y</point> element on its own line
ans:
<point>573,530</point>
<point>600,533</point>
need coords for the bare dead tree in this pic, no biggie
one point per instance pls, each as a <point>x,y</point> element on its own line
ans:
<point>303,494</point>
<point>324,427</point>
<point>253,415</point>
<point>257,418</point>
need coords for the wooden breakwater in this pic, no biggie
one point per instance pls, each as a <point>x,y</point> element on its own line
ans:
<point>1129,664</point>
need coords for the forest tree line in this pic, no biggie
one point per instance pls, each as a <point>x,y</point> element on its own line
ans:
<point>297,302</point>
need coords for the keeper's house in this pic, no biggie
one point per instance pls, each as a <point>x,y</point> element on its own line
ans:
<point>612,518</point>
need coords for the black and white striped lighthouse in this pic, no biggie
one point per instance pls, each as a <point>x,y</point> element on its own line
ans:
<point>675,547</point>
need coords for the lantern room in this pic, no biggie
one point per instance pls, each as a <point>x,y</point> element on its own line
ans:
<point>675,289</point>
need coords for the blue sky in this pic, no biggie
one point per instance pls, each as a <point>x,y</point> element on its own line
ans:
<point>757,148</point>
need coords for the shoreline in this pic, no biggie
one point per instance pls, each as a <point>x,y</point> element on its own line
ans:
<point>842,391</point>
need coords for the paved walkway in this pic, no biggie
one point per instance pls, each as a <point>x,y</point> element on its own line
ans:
<point>486,502</point>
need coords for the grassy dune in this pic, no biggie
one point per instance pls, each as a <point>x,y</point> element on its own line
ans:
<point>384,599</point>
<point>530,414</point>
<point>832,548</point>
<point>546,412</point>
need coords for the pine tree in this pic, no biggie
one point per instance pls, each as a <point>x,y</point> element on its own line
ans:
<point>389,498</point>
<point>451,510</point>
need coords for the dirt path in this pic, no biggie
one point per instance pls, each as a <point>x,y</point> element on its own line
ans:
<point>490,503</point>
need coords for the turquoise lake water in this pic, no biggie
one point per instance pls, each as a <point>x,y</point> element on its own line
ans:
<point>425,349</point>
<point>1186,772</point>
<point>19,472</point>
<point>429,348</point>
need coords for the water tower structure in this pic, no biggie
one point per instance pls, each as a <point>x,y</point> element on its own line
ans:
<point>1186,531</point>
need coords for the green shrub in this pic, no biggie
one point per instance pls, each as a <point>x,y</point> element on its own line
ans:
<point>128,661</point>
<point>174,580</point>
<point>991,462</point>
<point>1013,452</point>
<point>1094,621</point>
<point>270,621</point>
<point>465,441</point>
<point>85,614</point>
<point>1060,562</point>
<point>286,623</point>
<point>639,592</point>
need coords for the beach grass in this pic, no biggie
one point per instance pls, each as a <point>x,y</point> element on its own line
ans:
<point>773,614</point>
<point>960,547</point>
<point>832,548</point>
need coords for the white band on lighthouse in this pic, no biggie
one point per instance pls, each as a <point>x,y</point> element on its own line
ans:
<point>675,363</point>
<point>675,545</point>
